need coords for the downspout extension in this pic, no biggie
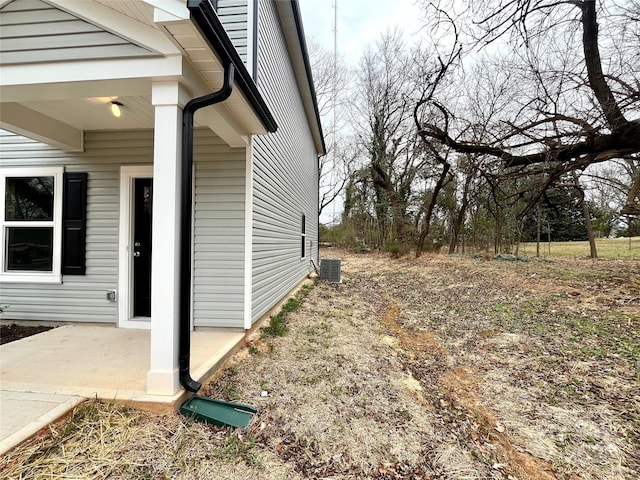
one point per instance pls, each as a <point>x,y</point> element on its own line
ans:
<point>186,207</point>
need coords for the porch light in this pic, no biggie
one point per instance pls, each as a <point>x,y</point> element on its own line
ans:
<point>115,108</point>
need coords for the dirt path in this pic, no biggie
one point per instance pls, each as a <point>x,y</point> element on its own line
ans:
<point>437,368</point>
<point>535,365</point>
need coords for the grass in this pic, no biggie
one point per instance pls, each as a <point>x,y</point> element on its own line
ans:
<point>441,367</point>
<point>627,248</point>
<point>239,446</point>
<point>277,326</point>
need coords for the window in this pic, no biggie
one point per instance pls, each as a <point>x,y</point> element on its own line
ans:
<point>303,237</point>
<point>31,224</point>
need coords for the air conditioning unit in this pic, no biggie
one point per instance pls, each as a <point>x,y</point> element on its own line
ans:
<point>330,269</point>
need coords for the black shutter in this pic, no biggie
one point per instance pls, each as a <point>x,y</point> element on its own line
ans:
<point>74,223</point>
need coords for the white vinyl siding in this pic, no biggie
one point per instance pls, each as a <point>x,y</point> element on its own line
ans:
<point>35,31</point>
<point>234,16</point>
<point>218,228</point>
<point>285,175</point>
<point>218,255</point>
<point>79,298</point>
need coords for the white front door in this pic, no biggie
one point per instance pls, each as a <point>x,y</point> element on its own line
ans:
<point>134,284</point>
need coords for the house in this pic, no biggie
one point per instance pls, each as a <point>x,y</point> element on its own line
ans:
<point>115,209</point>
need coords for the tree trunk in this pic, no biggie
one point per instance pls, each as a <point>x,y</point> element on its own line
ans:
<point>631,207</point>
<point>587,218</point>
<point>382,180</point>
<point>455,231</point>
<point>423,235</point>
<point>538,230</point>
<point>497,240</point>
<point>398,220</point>
<point>428,212</point>
<point>460,217</point>
<point>587,222</point>
<point>593,62</point>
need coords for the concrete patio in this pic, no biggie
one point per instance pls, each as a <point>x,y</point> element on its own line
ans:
<point>44,376</point>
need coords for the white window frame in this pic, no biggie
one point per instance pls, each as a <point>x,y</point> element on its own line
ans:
<point>54,276</point>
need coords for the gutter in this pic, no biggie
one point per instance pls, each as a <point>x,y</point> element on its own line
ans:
<point>206,19</point>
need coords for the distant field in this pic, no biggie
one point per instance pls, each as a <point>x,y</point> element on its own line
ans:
<point>607,248</point>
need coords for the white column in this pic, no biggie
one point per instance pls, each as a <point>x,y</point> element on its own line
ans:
<point>248,236</point>
<point>168,98</point>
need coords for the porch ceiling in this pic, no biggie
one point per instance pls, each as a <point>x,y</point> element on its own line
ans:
<point>74,96</point>
<point>94,113</point>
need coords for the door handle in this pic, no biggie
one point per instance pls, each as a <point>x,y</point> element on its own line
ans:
<point>136,254</point>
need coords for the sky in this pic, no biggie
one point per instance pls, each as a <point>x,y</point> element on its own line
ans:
<point>360,22</point>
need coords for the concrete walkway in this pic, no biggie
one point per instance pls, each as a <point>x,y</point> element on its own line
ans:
<point>44,376</point>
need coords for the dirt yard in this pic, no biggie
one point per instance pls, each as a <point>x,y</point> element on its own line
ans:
<point>437,368</point>
<point>11,332</point>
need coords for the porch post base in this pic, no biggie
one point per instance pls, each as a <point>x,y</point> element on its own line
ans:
<point>163,382</point>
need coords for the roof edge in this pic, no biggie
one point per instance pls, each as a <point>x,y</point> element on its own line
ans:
<point>307,66</point>
<point>206,19</point>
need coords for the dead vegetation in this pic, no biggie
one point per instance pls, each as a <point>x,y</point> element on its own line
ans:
<point>437,368</point>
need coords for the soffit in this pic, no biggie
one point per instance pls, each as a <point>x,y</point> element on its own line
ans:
<point>209,67</point>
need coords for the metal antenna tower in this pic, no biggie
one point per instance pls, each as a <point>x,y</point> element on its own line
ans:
<point>334,93</point>
<point>334,4</point>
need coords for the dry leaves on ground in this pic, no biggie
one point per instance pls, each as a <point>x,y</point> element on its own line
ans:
<point>432,368</point>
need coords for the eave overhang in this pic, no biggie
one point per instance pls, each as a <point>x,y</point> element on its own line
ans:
<point>207,21</point>
<point>174,43</point>
<point>291,22</point>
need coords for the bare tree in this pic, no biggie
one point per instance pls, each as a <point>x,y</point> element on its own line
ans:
<point>386,130</point>
<point>468,172</point>
<point>587,216</point>
<point>569,110</point>
<point>432,72</point>
<point>332,79</point>
<point>632,204</point>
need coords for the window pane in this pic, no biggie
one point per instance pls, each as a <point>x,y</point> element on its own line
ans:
<point>29,198</point>
<point>30,249</point>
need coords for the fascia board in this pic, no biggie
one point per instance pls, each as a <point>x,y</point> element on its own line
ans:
<point>90,70</point>
<point>206,19</point>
